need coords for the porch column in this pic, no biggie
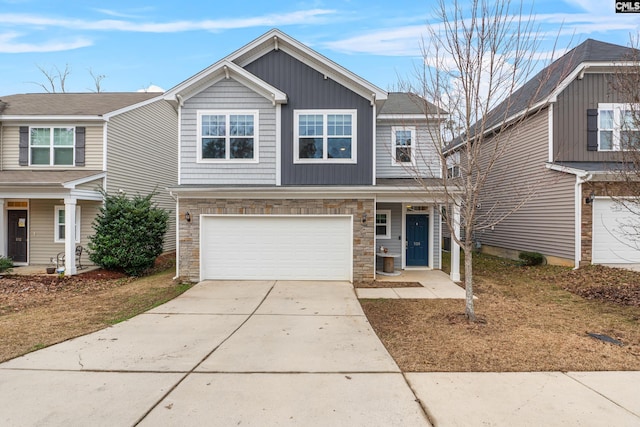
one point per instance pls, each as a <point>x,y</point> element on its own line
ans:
<point>70,236</point>
<point>455,247</point>
<point>3,230</point>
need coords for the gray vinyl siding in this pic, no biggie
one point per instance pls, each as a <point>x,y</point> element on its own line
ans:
<point>93,148</point>
<point>306,88</point>
<point>436,239</point>
<point>427,160</point>
<point>545,223</point>
<point>570,118</point>
<point>142,156</point>
<point>228,95</point>
<point>41,229</point>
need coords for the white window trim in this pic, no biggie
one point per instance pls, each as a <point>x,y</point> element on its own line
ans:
<point>453,165</point>
<point>617,121</point>
<point>411,129</point>
<point>325,113</point>
<point>227,113</point>
<point>386,212</point>
<point>56,222</point>
<point>51,146</point>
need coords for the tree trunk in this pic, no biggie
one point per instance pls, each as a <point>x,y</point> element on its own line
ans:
<point>468,283</point>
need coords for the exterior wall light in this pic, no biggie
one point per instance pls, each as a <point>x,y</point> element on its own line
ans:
<point>589,199</point>
<point>187,216</point>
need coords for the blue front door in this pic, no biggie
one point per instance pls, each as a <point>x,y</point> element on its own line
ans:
<point>417,240</point>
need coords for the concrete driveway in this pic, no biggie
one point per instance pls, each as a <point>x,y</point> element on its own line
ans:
<point>223,353</point>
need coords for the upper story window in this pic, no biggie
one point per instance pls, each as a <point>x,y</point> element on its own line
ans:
<point>453,165</point>
<point>52,146</point>
<point>403,145</point>
<point>227,136</point>
<point>618,127</point>
<point>325,136</point>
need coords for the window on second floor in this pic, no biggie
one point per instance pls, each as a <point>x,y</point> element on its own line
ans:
<point>618,127</point>
<point>403,151</point>
<point>325,136</point>
<point>227,136</point>
<point>52,146</point>
<point>453,165</point>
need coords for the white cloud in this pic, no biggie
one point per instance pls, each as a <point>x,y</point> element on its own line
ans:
<point>151,88</point>
<point>9,44</point>
<point>402,41</point>
<point>306,16</point>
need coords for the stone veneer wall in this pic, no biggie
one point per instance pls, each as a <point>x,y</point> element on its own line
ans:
<point>363,234</point>
<point>599,189</point>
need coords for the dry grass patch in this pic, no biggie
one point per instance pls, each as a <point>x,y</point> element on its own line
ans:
<point>46,315</point>
<point>528,323</point>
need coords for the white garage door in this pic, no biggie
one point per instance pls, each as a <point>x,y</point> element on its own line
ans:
<point>276,247</point>
<point>613,241</point>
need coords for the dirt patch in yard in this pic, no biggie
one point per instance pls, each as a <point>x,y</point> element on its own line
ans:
<point>532,319</point>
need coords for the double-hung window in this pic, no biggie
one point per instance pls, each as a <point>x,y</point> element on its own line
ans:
<point>52,146</point>
<point>453,165</point>
<point>383,224</point>
<point>60,224</point>
<point>228,136</point>
<point>403,139</point>
<point>618,127</point>
<point>325,136</point>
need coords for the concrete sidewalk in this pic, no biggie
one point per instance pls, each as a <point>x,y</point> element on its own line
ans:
<point>282,353</point>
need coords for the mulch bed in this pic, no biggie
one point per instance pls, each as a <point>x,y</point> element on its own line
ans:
<point>381,284</point>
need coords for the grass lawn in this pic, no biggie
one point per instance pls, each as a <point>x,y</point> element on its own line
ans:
<point>36,313</point>
<point>531,319</point>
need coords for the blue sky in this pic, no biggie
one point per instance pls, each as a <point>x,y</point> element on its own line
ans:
<point>141,43</point>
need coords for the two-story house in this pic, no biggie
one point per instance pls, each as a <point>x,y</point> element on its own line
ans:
<point>565,147</point>
<point>292,167</point>
<point>59,150</point>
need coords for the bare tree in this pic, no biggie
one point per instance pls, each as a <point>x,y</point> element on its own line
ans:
<point>624,188</point>
<point>97,80</point>
<point>475,59</point>
<point>56,79</point>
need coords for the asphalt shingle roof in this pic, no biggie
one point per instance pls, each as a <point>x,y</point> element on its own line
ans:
<point>70,104</point>
<point>408,103</point>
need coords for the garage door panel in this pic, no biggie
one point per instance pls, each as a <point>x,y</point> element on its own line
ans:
<point>613,242</point>
<point>276,248</point>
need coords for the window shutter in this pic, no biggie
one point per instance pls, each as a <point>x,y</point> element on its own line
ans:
<point>23,157</point>
<point>592,129</point>
<point>80,144</point>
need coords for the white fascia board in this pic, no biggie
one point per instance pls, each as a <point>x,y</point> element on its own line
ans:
<point>67,118</point>
<point>573,171</point>
<point>80,181</point>
<point>86,195</point>
<point>276,39</point>
<point>222,70</point>
<point>406,117</point>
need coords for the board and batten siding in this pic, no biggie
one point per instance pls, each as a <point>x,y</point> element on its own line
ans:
<point>142,156</point>
<point>427,160</point>
<point>570,118</point>
<point>93,147</point>
<point>42,246</point>
<point>228,95</point>
<point>308,89</point>
<point>545,223</point>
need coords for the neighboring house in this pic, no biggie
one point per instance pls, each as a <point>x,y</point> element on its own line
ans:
<point>567,151</point>
<point>292,167</point>
<point>58,150</point>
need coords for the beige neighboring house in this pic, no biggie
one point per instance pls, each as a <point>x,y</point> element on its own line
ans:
<point>57,150</point>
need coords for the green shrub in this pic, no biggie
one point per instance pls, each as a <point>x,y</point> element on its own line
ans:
<point>531,258</point>
<point>5,264</point>
<point>129,233</point>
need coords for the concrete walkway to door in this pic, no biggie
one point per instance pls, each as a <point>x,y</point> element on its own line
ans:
<point>223,353</point>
